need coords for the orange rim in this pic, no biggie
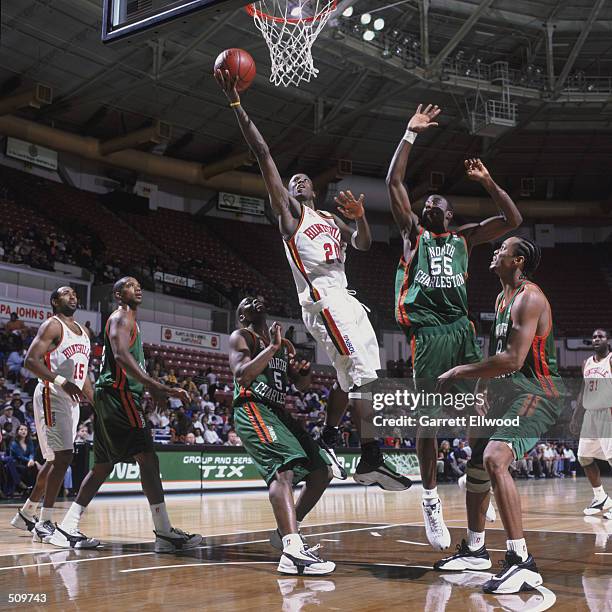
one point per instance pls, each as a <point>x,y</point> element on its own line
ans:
<point>252,11</point>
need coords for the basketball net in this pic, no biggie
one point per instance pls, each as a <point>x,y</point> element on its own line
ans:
<point>290,28</point>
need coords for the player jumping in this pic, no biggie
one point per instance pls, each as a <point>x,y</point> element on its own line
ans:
<point>594,411</point>
<point>430,292</point>
<point>524,383</point>
<point>264,365</point>
<point>315,243</point>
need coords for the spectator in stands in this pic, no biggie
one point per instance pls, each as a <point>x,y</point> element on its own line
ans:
<point>459,459</point>
<point>4,391</point>
<point>9,476</point>
<point>189,386</point>
<point>211,379</point>
<point>537,461</point>
<point>207,406</point>
<point>443,464</point>
<point>211,436</point>
<point>19,408</point>
<point>203,389</point>
<point>549,460</point>
<point>15,325</point>
<point>23,451</point>
<point>524,466</point>
<point>83,434</point>
<point>570,461</point>
<point>14,363</point>
<point>197,432</point>
<point>195,422</point>
<point>190,438</point>
<point>171,379</point>
<point>180,423</point>
<point>233,439</point>
<point>8,418</point>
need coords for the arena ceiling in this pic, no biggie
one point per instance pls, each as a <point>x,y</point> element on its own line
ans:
<point>559,58</point>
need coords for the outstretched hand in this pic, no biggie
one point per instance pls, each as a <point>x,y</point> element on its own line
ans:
<point>298,367</point>
<point>276,337</point>
<point>424,119</point>
<point>349,206</point>
<point>476,170</point>
<point>228,84</point>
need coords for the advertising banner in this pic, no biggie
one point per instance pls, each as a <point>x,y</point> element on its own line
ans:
<point>190,337</point>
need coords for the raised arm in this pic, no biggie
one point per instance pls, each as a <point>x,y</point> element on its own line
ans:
<point>353,209</point>
<point>526,312</point>
<point>47,337</point>
<point>494,227</point>
<point>286,211</point>
<point>244,367</point>
<point>401,209</point>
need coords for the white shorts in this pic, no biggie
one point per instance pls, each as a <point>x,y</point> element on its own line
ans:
<point>340,324</point>
<point>56,417</point>
<point>599,422</point>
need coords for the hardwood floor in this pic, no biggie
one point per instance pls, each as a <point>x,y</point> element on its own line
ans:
<point>375,537</point>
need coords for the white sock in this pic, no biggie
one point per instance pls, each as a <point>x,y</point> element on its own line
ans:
<point>46,514</point>
<point>519,547</point>
<point>599,492</point>
<point>475,539</point>
<point>73,517</point>
<point>29,508</point>
<point>160,518</point>
<point>292,540</point>
<point>430,496</point>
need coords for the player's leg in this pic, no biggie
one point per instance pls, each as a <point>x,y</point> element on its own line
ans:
<point>472,553</point>
<point>330,436</point>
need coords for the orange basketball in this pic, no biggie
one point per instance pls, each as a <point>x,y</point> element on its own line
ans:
<point>239,63</point>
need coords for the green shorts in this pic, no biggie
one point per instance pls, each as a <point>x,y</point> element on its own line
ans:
<point>537,414</point>
<point>276,442</point>
<point>439,348</point>
<point>120,429</point>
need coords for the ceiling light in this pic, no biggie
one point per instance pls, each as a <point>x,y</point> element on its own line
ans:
<point>368,35</point>
<point>366,18</point>
<point>385,53</point>
<point>379,23</point>
<point>348,12</point>
<point>296,11</point>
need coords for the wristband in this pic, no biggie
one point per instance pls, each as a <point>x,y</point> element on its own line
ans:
<point>354,239</point>
<point>59,380</point>
<point>409,136</point>
<point>234,104</point>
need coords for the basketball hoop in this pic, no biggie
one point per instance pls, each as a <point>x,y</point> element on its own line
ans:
<point>290,28</point>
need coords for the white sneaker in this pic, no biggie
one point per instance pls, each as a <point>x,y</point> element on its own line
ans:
<point>71,539</point>
<point>304,561</point>
<point>437,532</point>
<point>515,576</point>
<point>43,531</point>
<point>598,505</point>
<point>23,521</point>
<point>490,514</point>
<point>175,541</point>
<point>608,515</point>
<point>337,470</point>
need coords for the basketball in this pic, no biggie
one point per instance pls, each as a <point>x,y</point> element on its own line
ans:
<point>239,63</point>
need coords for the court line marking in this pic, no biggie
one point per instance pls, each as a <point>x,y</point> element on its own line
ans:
<point>610,553</point>
<point>201,564</point>
<point>411,542</point>
<point>76,560</point>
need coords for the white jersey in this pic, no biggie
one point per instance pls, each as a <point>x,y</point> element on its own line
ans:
<point>597,384</point>
<point>70,358</point>
<point>316,254</point>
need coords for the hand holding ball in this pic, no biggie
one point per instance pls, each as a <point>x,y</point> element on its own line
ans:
<point>240,66</point>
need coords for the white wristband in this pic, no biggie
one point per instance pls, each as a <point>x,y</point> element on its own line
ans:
<point>59,380</point>
<point>354,239</point>
<point>409,136</point>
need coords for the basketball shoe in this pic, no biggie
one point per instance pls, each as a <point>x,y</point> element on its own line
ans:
<point>435,528</point>
<point>490,515</point>
<point>176,541</point>
<point>373,469</point>
<point>23,521</point>
<point>304,560</point>
<point>328,441</point>
<point>43,531</point>
<point>465,559</point>
<point>515,576</point>
<point>276,539</point>
<point>598,505</point>
<point>72,538</point>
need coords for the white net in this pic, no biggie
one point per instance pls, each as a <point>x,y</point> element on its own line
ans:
<point>290,28</point>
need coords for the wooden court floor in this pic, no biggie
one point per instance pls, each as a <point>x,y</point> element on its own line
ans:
<point>375,537</point>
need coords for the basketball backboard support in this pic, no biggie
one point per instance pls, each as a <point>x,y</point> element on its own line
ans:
<point>133,20</point>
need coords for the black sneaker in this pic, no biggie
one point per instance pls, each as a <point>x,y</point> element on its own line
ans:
<point>515,576</point>
<point>465,559</point>
<point>337,470</point>
<point>381,474</point>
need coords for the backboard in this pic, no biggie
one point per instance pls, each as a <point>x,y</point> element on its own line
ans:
<point>130,20</point>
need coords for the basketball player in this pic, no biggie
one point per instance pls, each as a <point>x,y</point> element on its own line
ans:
<point>594,410</point>
<point>430,292</point>
<point>120,430</point>
<point>315,243</point>
<point>59,356</point>
<point>264,365</point>
<point>523,382</point>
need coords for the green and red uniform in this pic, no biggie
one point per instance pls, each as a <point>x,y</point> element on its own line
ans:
<point>120,427</point>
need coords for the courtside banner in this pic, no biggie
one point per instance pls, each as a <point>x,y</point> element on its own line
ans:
<point>28,313</point>
<point>190,468</point>
<point>190,337</point>
<point>244,205</point>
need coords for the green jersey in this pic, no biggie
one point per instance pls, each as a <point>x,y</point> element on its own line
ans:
<point>539,374</point>
<point>270,387</point>
<point>113,376</point>
<point>430,287</point>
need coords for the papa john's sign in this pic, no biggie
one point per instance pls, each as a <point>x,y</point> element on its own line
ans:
<point>28,313</point>
<point>190,337</point>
